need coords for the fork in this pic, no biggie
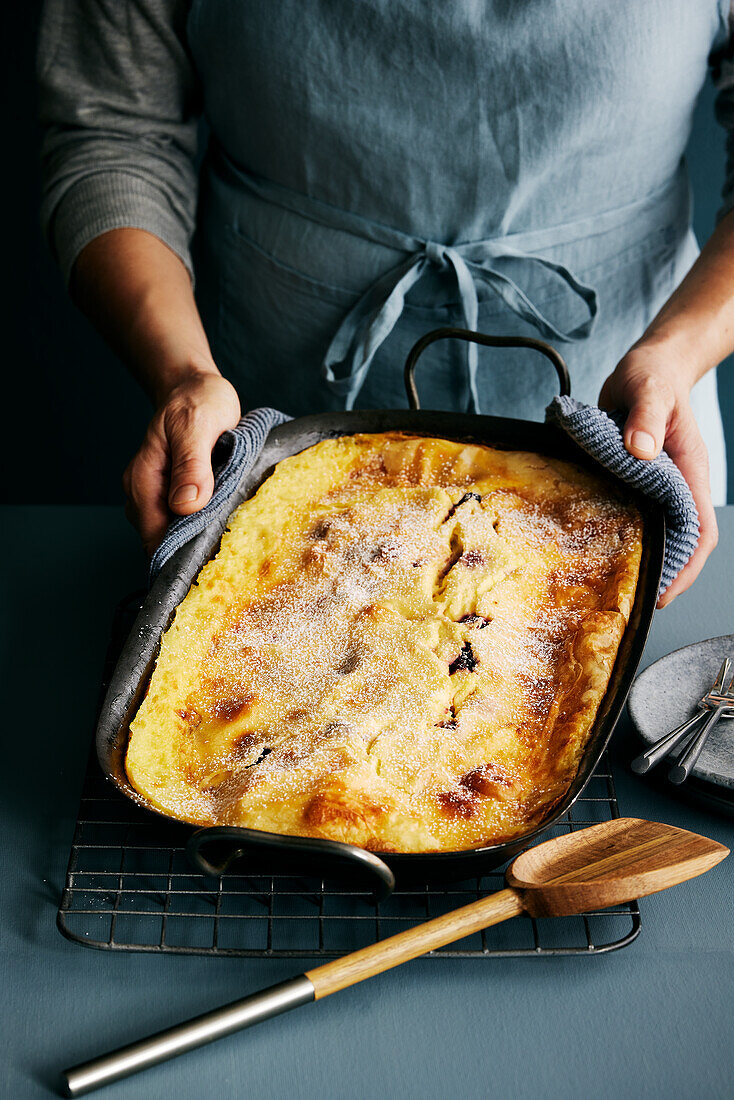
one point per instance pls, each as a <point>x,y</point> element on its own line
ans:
<point>687,761</point>
<point>718,702</point>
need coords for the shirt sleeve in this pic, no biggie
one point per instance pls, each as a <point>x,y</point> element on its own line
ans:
<point>722,69</point>
<point>118,105</point>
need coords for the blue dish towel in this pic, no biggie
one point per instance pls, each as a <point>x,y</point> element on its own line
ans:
<point>596,431</point>
<point>599,434</point>
<point>235,454</point>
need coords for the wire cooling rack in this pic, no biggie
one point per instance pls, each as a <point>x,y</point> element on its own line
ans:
<point>129,887</point>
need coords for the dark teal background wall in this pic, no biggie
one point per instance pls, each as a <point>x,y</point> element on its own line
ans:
<point>71,417</point>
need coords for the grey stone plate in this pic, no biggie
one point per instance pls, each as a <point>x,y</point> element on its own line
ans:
<point>666,693</point>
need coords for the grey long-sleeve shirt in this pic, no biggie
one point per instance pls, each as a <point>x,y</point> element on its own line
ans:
<point>119,102</point>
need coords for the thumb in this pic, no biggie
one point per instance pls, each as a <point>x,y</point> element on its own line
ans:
<point>646,425</point>
<point>192,479</point>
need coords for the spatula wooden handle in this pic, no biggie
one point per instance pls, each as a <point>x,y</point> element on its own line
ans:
<point>383,955</point>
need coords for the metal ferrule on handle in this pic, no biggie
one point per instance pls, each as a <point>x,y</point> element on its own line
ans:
<point>186,1036</point>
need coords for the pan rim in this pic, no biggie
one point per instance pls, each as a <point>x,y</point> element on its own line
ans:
<point>541,438</point>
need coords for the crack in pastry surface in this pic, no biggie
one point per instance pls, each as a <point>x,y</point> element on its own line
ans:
<point>401,643</point>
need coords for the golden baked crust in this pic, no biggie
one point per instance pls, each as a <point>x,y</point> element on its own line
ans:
<point>402,643</point>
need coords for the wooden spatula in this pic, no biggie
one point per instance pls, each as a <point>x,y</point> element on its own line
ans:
<point>593,868</point>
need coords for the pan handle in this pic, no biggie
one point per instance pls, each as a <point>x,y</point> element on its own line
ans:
<point>490,341</point>
<point>227,844</point>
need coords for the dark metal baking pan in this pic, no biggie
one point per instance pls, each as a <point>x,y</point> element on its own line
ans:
<point>214,849</point>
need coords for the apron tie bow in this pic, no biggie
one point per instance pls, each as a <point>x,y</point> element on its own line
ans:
<point>373,317</point>
<point>371,320</point>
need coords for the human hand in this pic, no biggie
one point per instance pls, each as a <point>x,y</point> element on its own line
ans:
<point>172,470</point>
<point>652,384</point>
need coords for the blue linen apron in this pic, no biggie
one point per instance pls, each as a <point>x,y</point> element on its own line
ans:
<point>382,167</point>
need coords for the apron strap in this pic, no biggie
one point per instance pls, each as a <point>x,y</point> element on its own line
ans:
<point>366,326</point>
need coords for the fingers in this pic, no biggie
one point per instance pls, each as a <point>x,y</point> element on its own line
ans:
<point>145,482</point>
<point>192,429</point>
<point>648,399</point>
<point>191,438</point>
<point>172,471</point>
<point>687,449</point>
<point>608,395</point>
<point>647,421</point>
<point>659,415</point>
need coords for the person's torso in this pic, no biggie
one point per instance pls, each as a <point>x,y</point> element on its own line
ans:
<point>460,120</point>
<point>559,125</point>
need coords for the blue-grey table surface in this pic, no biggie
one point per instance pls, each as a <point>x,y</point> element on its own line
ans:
<point>655,1019</point>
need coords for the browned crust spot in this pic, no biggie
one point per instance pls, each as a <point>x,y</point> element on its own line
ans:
<point>490,781</point>
<point>457,803</point>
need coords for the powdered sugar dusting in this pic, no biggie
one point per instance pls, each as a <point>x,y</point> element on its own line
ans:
<point>415,629</point>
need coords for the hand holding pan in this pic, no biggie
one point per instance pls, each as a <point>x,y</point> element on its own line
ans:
<point>607,864</point>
